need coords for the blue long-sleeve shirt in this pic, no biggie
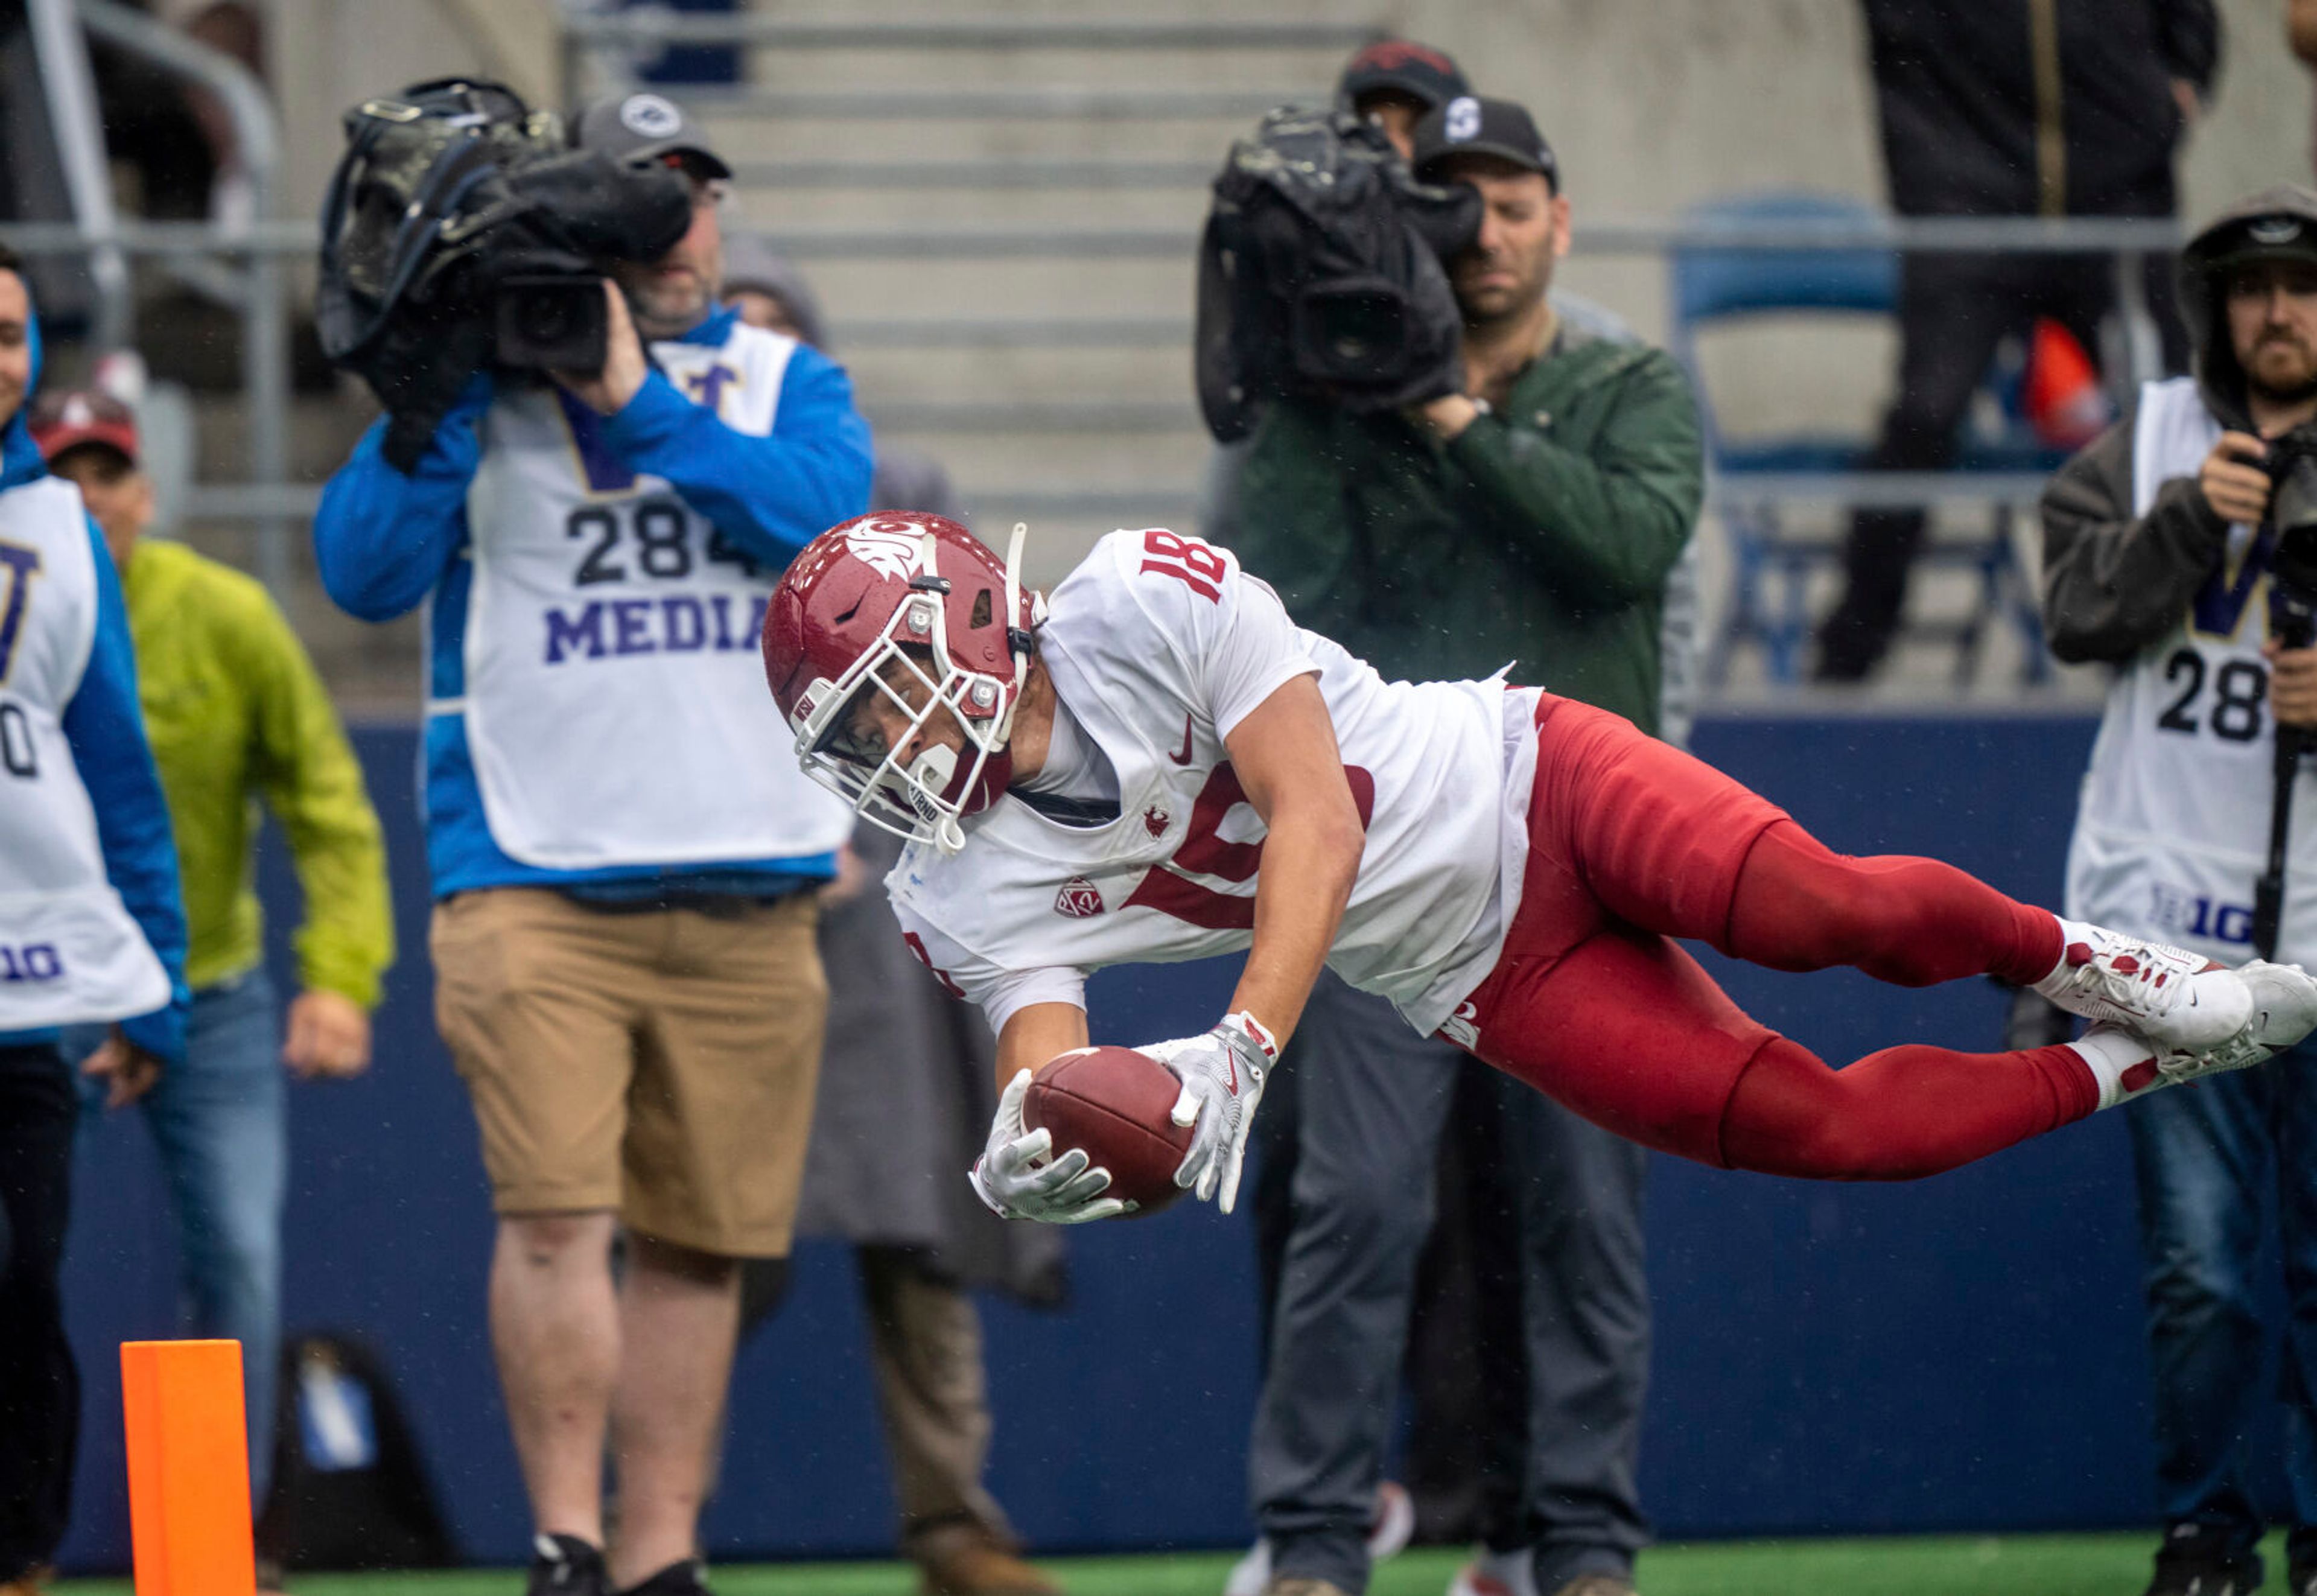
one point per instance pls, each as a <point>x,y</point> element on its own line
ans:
<point>385,542</point>
<point>105,729</point>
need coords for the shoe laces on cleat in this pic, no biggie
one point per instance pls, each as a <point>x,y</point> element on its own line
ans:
<point>2182,1002</point>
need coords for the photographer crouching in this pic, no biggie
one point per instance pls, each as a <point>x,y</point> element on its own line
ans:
<point>2157,539</point>
<point>623,852</point>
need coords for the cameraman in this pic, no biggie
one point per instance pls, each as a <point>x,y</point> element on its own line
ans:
<point>1533,516</point>
<point>2157,539</point>
<point>623,852</point>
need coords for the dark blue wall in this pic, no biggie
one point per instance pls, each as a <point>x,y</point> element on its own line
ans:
<point>1961,1352</point>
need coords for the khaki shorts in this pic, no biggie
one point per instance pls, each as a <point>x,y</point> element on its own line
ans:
<point>657,1063</point>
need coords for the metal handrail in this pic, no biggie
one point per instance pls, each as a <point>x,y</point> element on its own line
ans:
<point>264,307</point>
<point>77,129</point>
<point>1029,103</point>
<point>653,25</point>
<point>953,176</point>
<point>1988,235</point>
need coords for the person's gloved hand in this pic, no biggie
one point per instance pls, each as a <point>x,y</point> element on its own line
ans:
<point>422,364</point>
<point>1222,1074</point>
<point>1017,1177</point>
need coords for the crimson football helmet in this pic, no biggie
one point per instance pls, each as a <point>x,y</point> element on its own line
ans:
<point>914,607</point>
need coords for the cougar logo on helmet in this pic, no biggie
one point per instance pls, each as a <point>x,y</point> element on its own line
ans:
<point>889,548</point>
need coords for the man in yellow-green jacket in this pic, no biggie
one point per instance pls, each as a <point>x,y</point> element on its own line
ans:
<point>236,713</point>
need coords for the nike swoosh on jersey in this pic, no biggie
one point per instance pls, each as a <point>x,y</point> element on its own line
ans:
<point>1184,756</point>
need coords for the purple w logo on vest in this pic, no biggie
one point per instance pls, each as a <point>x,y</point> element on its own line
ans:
<point>2221,602</point>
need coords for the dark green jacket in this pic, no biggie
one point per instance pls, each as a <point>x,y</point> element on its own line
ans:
<point>1541,537</point>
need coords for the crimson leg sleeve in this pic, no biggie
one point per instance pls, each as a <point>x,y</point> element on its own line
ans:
<point>1629,1031</point>
<point>1897,1115</point>
<point>1798,905</point>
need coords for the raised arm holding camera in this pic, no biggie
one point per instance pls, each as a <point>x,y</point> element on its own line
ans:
<point>624,857</point>
<point>2158,538</point>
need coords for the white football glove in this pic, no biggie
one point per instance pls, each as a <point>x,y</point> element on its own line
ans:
<point>1016,1177</point>
<point>1222,1074</point>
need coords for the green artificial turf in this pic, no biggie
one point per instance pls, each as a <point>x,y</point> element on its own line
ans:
<point>1933,1566</point>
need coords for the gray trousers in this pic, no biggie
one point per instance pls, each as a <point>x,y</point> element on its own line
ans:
<point>1374,1098</point>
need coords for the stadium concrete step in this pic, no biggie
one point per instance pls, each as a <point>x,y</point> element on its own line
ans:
<point>1000,215</point>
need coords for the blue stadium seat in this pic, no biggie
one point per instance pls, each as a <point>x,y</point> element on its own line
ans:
<point>1719,285</point>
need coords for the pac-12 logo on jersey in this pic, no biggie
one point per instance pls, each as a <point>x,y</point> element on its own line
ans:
<point>1078,898</point>
<point>1156,820</point>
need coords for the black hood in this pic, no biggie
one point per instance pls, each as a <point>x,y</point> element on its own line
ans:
<point>2278,223</point>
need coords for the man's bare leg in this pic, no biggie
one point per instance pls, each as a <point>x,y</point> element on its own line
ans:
<point>555,1328</point>
<point>680,1310</point>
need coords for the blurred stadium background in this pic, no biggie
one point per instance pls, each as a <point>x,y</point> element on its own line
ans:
<point>998,205</point>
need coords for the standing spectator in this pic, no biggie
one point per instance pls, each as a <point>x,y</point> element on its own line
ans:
<point>2007,108</point>
<point>624,854</point>
<point>905,1097</point>
<point>91,927</point>
<point>236,713</point>
<point>1543,508</point>
<point>2155,539</point>
<point>2301,33</point>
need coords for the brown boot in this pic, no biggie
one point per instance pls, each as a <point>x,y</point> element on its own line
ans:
<point>1597,1584</point>
<point>978,1567</point>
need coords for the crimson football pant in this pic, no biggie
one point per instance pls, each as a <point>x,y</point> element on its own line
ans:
<point>1633,843</point>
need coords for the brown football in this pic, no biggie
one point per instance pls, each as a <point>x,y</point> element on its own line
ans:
<point>1117,1104</point>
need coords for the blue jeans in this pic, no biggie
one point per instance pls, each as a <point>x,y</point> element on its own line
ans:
<point>2211,1159</point>
<point>221,1123</point>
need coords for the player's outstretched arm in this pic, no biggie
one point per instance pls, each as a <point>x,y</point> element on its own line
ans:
<point>1284,752</point>
<point>1035,1033</point>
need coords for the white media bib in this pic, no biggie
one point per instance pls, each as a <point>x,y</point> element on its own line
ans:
<point>2173,827</point>
<point>615,704</point>
<point>70,953</point>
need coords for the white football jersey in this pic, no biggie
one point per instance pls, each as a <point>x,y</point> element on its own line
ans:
<point>1159,645</point>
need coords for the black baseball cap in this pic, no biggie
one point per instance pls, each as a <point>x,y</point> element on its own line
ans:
<point>1403,66</point>
<point>2278,223</point>
<point>1467,125</point>
<point>635,127</point>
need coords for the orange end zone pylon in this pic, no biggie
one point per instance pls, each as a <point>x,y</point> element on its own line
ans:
<point>188,1468</point>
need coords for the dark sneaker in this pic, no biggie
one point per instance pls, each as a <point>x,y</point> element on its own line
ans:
<point>2195,1560</point>
<point>566,1566</point>
<point>687,1578</point>
<point>2301,1581</point>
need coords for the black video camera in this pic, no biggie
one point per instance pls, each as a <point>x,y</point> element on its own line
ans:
<point>1320,273</point>
<point>2292,467</point>
<point>459,232</point>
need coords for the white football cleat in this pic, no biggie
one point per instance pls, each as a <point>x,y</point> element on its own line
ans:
<point>1391,1520</point>
<point>1497,1573</point>
<point>1251,1572</point>
<point>2180,1001</point>
<point>2284,1010</point>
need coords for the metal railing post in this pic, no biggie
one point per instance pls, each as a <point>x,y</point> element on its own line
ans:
<point>264,307</point>
<point>71,89</point>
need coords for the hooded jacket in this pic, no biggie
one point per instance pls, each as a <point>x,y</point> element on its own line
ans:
<point>2115,583</point>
